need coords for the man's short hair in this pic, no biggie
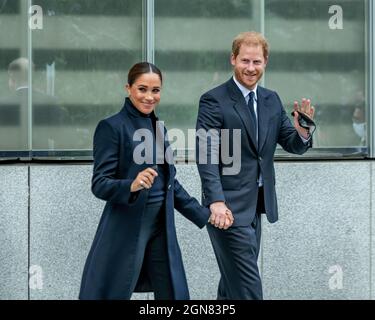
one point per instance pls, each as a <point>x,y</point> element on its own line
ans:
<point>18,69</point>
<point>250,38</point>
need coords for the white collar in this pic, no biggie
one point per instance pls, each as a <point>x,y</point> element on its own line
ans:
<point>245,91</point>
<point>22,87</point>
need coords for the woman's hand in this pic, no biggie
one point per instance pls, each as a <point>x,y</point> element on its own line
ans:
<point>144,180</point>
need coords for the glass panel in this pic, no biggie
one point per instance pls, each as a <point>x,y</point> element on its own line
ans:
<point>312,56</point>
<point>81,58</point>
<point>309,58</point>
<point>192,48</point>
<point>14,111</point>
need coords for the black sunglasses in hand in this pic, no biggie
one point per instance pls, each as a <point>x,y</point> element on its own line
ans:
<point>305,122</point>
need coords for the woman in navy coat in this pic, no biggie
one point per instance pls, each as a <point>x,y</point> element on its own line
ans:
<point>135,248</point>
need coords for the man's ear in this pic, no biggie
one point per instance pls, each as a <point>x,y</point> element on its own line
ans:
<point>127,88</point>
<point>232,59</point>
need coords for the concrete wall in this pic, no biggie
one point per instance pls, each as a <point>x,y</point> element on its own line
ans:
<point>13,232</point>
<point>321,248</point>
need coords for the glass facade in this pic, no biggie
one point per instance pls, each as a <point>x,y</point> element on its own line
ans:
<point>57,82</point>
<point>14,126</point>
<point>80,59</point>
<point>315,55</point>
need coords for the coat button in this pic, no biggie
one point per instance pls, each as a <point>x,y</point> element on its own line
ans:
<point>260,158</point>
<point>169,186</point>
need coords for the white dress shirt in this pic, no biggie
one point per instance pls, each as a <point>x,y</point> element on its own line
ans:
<point>245,92</point>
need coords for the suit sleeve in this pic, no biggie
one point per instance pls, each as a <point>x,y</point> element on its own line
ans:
<point>209,122</point>
<point>189,207</point>
<point>288,137</point>
<point>105,185</point>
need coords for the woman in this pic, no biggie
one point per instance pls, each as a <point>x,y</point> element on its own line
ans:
<point>135,247</point>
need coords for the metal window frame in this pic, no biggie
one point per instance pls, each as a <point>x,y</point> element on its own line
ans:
<point>30,80</point>
<point>148,30</point>
<point>370,85</point>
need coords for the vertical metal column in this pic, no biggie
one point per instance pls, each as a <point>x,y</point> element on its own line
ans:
<point>262,30</point>
<point>148,32</point>
<point>371,79</point>
<point>26,51</point>
<point>30,81</point>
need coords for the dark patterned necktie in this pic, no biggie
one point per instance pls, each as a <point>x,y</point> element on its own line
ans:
<point>254,120</point>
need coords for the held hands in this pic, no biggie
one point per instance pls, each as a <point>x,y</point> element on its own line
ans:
<point>221,217</point>
<point>144,180</point>
<point>307,109</point>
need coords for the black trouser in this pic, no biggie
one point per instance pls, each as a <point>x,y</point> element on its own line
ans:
<point>236,250</point>
<point>152,252</point>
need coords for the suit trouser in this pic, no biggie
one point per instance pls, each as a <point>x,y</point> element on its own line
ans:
<point>152,251</point>
<point>236,250</point>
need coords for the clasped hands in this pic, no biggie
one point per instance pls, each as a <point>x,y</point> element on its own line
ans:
<point>221,217</point>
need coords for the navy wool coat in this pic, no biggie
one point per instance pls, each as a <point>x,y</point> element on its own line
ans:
<point>110,265</point>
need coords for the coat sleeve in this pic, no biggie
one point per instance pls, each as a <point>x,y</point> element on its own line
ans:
<point>189,207</point>
<point>209,122</point>
<point>105,185</point>
<point>288,137</point>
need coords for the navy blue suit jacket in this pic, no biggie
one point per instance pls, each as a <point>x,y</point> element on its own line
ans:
<point>224,107</point>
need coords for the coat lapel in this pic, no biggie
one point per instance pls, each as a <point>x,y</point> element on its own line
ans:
<point>166,157</point>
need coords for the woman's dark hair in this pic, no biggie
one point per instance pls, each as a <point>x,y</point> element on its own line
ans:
<point>141,68</point>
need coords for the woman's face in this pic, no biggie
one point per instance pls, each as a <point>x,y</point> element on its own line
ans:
<point>144,93</point>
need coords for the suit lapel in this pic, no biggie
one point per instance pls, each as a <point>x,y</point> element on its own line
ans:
<point>263,116</point>
<point>242,110</point>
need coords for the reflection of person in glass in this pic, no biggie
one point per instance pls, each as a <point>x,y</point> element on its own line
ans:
<point>18,74</point>
<point>240,103</point>
<point>135,247</point>
<point>14,106</point>
<point>359,124</point>
<point>46,113</point>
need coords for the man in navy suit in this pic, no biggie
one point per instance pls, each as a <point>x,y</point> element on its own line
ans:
<point>261,121</point>
<point>47,113</point>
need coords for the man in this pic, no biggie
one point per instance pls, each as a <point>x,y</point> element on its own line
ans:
<point>240,103</point>
<point>359,124</point>
<point>47,114</point>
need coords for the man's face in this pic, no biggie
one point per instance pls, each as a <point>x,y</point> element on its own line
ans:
<point>249,65</point>
<point>11,82</point>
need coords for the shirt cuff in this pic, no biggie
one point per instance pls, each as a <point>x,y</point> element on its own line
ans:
<point>305,141</point>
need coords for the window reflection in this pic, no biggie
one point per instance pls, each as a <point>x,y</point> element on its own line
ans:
<point>309,59</point>
<point>81,56</point>
<point>80,59</point>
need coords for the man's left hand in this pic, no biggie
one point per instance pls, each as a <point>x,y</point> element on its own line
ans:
<point>308,110</point>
